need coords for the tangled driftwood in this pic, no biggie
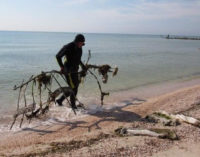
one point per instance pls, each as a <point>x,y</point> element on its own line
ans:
<point>45,80</point>
<point>172,119</point>
<point>154,132</point>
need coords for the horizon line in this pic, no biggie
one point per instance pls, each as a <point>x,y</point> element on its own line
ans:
<point>94,32</point>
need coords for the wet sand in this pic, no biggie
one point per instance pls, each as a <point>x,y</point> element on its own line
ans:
<point>93,135</point>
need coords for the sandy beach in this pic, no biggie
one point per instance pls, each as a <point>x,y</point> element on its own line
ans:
<point>93,135</point>
<point>104,78</point>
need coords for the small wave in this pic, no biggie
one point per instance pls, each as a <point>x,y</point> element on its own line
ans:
<point>57,115</point>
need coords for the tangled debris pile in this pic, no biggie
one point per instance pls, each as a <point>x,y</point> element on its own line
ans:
<point>45,80</point>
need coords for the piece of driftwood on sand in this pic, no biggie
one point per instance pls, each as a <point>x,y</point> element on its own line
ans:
<point>173,119</point>
<point>158,117</point>
<point>154,132</point>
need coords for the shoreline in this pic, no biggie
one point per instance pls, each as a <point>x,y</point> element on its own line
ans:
<point>153,90</point>
<point>169,96</point>
<point>116,99</point>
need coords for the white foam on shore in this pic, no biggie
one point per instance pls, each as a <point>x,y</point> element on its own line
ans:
<point>59,114</point>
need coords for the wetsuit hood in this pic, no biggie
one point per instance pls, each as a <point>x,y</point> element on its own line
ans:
<point>79,38</point>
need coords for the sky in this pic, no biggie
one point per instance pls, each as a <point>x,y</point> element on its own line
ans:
<point>178,17</point>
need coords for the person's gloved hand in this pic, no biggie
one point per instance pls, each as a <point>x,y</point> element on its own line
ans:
<point>62,70</point>
<point>83,73</point>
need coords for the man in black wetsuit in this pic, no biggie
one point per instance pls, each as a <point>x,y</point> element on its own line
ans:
<point>72,53</point>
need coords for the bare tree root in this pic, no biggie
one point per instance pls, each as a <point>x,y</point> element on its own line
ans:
<point>44,82</point>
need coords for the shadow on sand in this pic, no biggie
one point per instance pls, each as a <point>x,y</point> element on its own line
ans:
<point>115,114</point>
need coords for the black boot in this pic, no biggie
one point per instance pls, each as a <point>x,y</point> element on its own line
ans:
<point>60,100</point>
<point>74,107</point>
<point>73,102</point>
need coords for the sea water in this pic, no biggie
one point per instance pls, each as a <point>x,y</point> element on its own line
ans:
<point>141,59</point>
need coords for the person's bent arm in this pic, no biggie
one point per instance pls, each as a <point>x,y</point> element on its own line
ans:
<point>59,56</point>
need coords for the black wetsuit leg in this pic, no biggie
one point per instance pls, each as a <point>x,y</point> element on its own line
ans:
<point>73,82</point>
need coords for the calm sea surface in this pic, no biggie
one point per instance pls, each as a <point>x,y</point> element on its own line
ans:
<point>142,60</point>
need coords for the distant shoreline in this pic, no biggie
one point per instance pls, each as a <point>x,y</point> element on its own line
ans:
<point>182,38</point>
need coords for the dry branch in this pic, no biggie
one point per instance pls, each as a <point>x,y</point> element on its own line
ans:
<point>182,118</point>
<point>102,93</point>
<point>37,76</point>
<point>23,111</point>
